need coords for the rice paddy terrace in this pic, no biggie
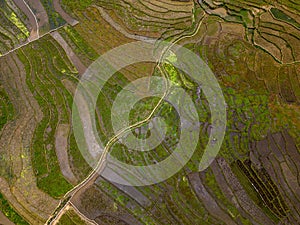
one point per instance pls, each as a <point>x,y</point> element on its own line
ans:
<point>253,48</point>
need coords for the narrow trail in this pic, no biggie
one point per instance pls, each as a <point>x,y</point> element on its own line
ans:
<point>82,215</point>
<point>69,206</point>
<point>29,41</point>
<point>36,21</point>
<point>57,214</point>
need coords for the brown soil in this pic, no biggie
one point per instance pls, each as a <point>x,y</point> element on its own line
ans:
<point>72,56</point>
<point>229,194</point>
<point>21,191</point>
<point>95,205</point>
<point>209,202</point>
<point>4,220</point>
<point>64,15</point>
<point>243,199</point>
<point>278,155</point>
<point>61,148</point>
<point>40,14</point>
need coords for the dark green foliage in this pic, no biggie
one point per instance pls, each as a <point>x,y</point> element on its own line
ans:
<point>55,20</point>
<point>278,14</point>
<point>80,166</point>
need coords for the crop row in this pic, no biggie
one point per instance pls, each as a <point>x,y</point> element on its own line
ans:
<point>267,190</point>
<point>44,70</point>
<point>13,30</point>
<point>143,16</point>
<point>86,53</point>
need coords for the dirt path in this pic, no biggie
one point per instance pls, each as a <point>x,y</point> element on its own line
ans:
<point>70,207</point>
<point>72,56</point>
<point>41,15</point>
<point>34,33</point>
<point>90,138</point>
<point>61,148</point>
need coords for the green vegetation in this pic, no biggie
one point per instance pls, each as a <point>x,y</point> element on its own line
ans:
<point>254,86</point>
<point>186,194</point>
<point>10,213</point>
<point>248,111</point>
<point>167,113</point>
<point>13,31</point>
<point>6,115</point>
<point>81,46</point>
<point>278,14</point>
<point>142,109</point>
<point>178,77</point>
<point>71,218</point>
<point>78,164</point>
<point>123,199</point>
<point>6,108</point>
<point>55,20</point>
<point>77,4</point>
<point>104,104</point>
<point>173,74</point>
<point>247,18</point>
<point>251,190</point>
<point>211,182</point>
<point>15,20</point>
<point>55,104</point>
<point>248,119</point>
<point>292,5</point>
<point>177,20</point>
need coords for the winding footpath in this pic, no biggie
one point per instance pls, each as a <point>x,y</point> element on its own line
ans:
<point>63,206</point>
<point>36,21</point>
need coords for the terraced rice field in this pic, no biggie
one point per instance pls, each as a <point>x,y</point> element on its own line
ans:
<point>13,26</point>
<point>251,46</point>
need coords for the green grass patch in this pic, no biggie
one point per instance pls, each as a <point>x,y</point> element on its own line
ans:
<point>80,43</point>
<point>280,15</point>
<point>43,79</point>
<point>71,218</point>
<point>78,163</point>
<point>10,213</point>
<point>11,24</point>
